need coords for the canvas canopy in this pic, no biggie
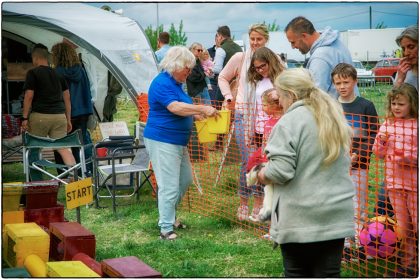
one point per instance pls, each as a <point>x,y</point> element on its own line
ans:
<point>107,42</point>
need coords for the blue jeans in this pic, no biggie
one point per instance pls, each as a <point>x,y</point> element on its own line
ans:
<point>172,167</point>
<point>245,151</point>
<point>205,96</point>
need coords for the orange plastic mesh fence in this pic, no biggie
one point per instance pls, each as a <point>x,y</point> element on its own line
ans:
<point>385,192</point>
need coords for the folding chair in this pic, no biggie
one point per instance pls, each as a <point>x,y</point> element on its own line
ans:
<point>32,146</point>
<point>120,149</point>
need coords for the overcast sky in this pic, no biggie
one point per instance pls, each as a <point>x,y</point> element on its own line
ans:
<point>202,19</point>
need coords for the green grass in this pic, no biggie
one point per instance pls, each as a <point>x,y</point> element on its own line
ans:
<point>215,244</point>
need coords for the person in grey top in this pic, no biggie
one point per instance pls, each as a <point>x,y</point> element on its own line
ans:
<point>308,165</point>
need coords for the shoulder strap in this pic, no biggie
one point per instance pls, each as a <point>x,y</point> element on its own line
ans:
<point>238,70</point>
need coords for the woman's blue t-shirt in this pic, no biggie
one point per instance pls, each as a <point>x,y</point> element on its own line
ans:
<point>162,125</point>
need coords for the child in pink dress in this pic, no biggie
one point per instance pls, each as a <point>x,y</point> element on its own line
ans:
<point>396,143</point>
<point>207,65</point>
<point>270,106</point>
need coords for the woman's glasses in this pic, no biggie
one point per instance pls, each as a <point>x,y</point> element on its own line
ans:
<point>261,67</point>
<point>199,50</point>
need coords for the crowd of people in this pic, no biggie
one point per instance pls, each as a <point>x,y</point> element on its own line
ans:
<point>309,127</point>
<point>315,147</point>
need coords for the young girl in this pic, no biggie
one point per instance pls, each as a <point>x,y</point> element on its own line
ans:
<point>207,65</point>
<point>271,107</point>
<point>264,69</point>
<point>396,142</point>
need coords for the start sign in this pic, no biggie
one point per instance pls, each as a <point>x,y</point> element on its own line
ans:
<point>79,193</point>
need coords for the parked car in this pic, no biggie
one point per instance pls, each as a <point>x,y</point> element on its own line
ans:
<point>291,63</point>
<point>386,67</point>
<point>364,77</point>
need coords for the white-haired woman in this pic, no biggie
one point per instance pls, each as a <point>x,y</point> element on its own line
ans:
<point>309,162</point>
<point>168,131</point>
<point>408,68</point>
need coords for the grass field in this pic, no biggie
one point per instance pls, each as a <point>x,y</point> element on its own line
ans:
<point>212,246</point>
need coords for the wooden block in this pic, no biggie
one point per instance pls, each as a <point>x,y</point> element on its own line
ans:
<point>41,194</point>
<point>11,196</point>
<point>22,240</point>
<point>15,273</point>
<point>68,239</point>
<point>74,269</point>
<point>44,216</point>
<point>127,267</point>
<point>13,217</point>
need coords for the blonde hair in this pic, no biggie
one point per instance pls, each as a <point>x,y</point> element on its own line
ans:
<point>334,132</point>
<point>177,58</point>
<point>267,99</point>
<point>261,29</point>
<point>195,45</point>
<point>203,54</point>
<point>408,91</point>
<point>273,103</point>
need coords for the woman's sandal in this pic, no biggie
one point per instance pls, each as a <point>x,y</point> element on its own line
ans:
<point>179,225</point>
<point>170,235</point>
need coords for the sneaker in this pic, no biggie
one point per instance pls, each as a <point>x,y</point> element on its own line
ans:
<point>254,217</point>
<point>267,236</point>
<point>243,213</point>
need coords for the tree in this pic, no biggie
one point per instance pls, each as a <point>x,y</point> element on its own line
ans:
<point>381,25</point>
<point>152,35</point>
<point>177,37</point>
<point>273,26</point>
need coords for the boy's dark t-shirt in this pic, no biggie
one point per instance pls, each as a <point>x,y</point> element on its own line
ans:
<point>363,118</point>
<point>48,87</point>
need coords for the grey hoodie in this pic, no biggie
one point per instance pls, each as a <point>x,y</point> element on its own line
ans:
<point>326,53</point>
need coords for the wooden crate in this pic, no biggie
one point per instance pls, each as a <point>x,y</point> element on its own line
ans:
<point>73,269</point>
<point>128,267</point>
<point>22,240</point>
<point>68,239</point>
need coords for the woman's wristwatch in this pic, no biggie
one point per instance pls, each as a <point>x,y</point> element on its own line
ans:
<point>23,119</point>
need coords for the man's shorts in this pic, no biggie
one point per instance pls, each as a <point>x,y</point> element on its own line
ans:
<point>52,125</point>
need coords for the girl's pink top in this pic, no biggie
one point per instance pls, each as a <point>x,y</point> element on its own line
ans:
<point>207,66</point>
<point>399,151</point>
<point>268,127</point>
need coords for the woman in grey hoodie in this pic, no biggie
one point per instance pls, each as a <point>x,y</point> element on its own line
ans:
<point>309,162</point>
